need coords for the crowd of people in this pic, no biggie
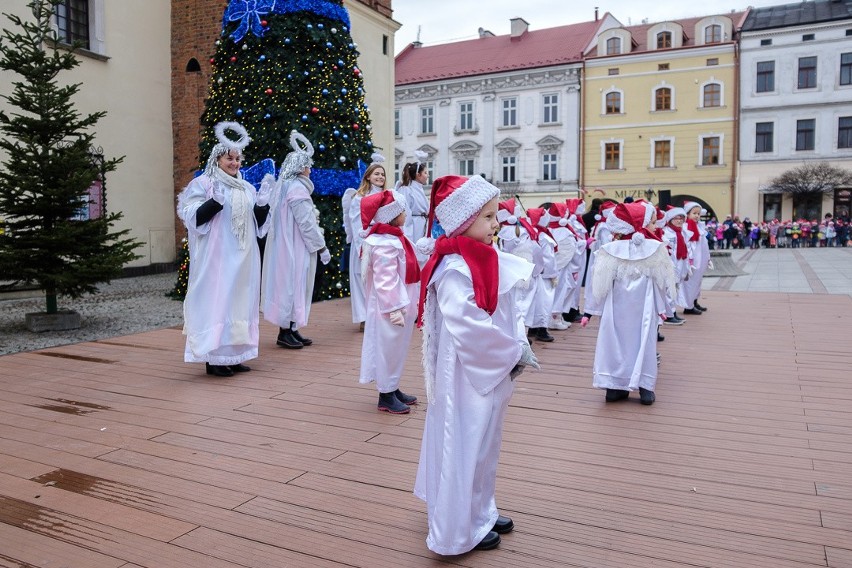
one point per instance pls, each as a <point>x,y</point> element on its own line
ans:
<point>481,278</point>
<point>733,233</point>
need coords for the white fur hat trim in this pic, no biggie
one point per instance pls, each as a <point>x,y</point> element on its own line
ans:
<point>464,202</point>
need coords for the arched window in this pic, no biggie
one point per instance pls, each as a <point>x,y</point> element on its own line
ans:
<point>613,46</point>
<point>712,95</point>
<point>663,99</point>
<point>664,40</point>
<point>713,34</point>
<point>613,103</point>
<point>192,66</point>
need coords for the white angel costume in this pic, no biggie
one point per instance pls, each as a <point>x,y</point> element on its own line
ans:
<point>468,356</point>
<point>630,284</point>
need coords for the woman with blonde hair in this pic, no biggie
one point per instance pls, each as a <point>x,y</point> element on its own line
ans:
<point>373,181</point>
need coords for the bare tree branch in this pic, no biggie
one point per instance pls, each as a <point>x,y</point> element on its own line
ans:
<point>819,177</point>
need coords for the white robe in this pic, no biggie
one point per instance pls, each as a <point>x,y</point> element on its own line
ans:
<point>700,252</point>
<point>545,288</point>
<point>514,239</point>
<point>630,284</point>
<point>385,346</point>
<point>580,260</point>
<point>290,257</point>
<point>682,267</point>
<point>221,307</point>
<point>416,210</point>
<point>469,354</point>
<point>356,286</point>
<point>565,265</point>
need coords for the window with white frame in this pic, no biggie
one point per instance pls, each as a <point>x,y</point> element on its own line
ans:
<point>805,134</point>
<point>510,112</point>
<point>549,167</point>
<point>664,40</point>
<point>663,99</point>
<point>550,108</point>
<point>611,154</point>
<point>807,78</point>
<point>662,149</point>
<point>764,137</point>
<point>846,68</point>
<point>466,116</point>
<point>711,95</point>
<point>844,132</point>
<point>466,167</point>
<point>427,120</point>
<point>612,102</point>
<point>711,150</point>
<point>397,131</point>
<point>72,21</point>
<point>510,164</point>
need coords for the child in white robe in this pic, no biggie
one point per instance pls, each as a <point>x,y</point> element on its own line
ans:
<point>547,279</point>
<point>566,243</point>
<point>632,275</point>
<point>516,236</point>
<point>295,240</point>
<point>699,251</point>
<point>474,346</point>
<point>676,236</point>
<point>391,277</point>
<point>224,215</point>
<point>575,209</point>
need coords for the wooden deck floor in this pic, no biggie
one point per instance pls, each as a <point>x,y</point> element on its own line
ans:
<point>116,454</point>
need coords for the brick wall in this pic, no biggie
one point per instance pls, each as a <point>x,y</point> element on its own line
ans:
<point>196,25</point>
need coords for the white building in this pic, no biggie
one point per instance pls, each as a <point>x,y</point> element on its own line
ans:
<point>504,106</point>
<point>795,104</point>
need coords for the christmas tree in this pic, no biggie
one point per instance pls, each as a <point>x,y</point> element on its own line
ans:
<point>55,234</point>
<point>283,65</point>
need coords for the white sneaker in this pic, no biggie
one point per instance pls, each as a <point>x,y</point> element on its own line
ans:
<point>556,322</point>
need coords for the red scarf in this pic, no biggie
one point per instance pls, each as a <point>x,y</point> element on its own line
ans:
<point>484,271</point>
<point>651,235</point>
<point>693,226</point>
<point>412,269</point>
<point>533,233</point>
<point>681,252</point>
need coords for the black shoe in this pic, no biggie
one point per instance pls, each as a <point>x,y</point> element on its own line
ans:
<point>614,395</point>
<point>692,311</point>
<point>239,368</point>
<point>219,370</point>
<point>405,398</point>
<point>389,403</point>
<point>491,540</point>
<point>646,397</point>
<point>287,340</point>
<point>572,315</point>
<point>699,307</point>
<point>660,337</point>
<point>303,340</point>
<point>674,320</point>
<point>542,335</point>
<point>503,525</point>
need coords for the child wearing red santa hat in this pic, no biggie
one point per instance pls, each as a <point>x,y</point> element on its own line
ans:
<point>632,277</point>
<point>699,250</point>
<point>545,284</point>
<point>568,259</point>
<point>599,236</point>
<point>474,346</point>
<point>391,278</point>
<point>676,236</point>
<point>575,209</point>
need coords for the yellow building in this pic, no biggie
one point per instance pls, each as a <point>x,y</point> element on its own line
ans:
<point>659,113</point>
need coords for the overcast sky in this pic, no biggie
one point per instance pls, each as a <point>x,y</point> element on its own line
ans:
<point>442,21</point>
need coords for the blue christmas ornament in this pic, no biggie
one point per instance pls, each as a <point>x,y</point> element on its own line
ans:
<point>289,76</point>
<point>336,133</point>
<point>325,91</point>
<point>351,46</point>
<point>320,63</point>
<point>345,29</point>
<point>340,62</point>
<point>304,118</point>
<point>344,91</point>
<point>239,112</point>
<point>328,44</point>
<point>369,143</point>
<point>310,26</point>
<point>322,147</point>
<point>267,116</point>
<point>346,137</point>
<point>340,101</point>
<point>287,40</point>
<point>306,73</point>
<point>320,26</point>
<point>262,58</point>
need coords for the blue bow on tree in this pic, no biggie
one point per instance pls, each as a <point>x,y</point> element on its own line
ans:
<point>249,13</point>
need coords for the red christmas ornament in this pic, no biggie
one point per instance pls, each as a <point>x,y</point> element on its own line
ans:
<point>334,67</point>
<point>264,23</point>
<point>233,59</point>
<point>314,110</point>
<point>268,91</point>
<point>355,126</point>
<point>357,71</point>
<point>212,60</point>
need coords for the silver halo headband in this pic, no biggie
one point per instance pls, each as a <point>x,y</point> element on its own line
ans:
<point>238,145</point>
<point>419,157</point>
<point>297,137</point>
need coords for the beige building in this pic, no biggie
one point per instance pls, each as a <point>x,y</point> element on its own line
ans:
<point>125,71</point>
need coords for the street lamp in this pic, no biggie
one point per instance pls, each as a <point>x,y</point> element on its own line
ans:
<point>649,195</point>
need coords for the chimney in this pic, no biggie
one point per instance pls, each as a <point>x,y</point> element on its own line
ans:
<point>519,27</point>
<point>596,13</point>
<point>485,33</point>
<point>416,44</point>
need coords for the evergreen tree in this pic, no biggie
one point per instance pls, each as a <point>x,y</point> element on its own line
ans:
<point>48,170</point>
<point>291,64</point>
